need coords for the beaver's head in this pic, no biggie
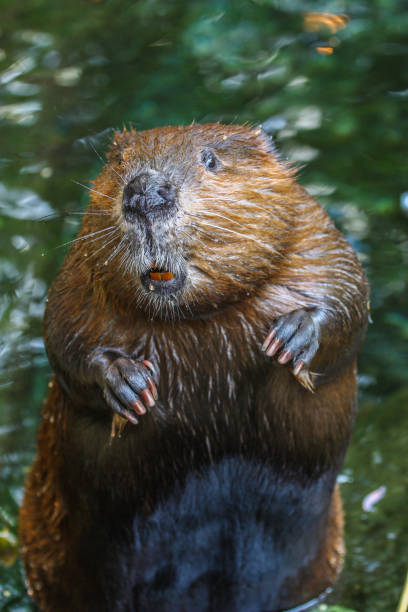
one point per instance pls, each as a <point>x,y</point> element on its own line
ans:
<point>203,215</point>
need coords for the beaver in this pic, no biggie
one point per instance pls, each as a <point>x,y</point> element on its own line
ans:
<point>203,333</point>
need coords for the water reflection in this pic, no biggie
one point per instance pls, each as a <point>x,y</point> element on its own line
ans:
<point>330,87</point>
<point>313,22</point>
<point>23,203</point>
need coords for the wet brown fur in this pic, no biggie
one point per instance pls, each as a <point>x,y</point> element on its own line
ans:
<point>257,246</point>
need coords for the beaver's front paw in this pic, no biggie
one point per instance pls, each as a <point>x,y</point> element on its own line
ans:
<point>128,387</point>
<point>294,338</point>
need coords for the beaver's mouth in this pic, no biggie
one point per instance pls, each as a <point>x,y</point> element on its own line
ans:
<point>162,281</point>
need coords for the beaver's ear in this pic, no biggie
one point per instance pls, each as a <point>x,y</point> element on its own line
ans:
<point>266,141</point>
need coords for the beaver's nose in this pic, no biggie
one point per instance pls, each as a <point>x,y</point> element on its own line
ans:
<point>145,195</point>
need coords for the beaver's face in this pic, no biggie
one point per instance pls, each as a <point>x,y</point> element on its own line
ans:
<point>204,213</point>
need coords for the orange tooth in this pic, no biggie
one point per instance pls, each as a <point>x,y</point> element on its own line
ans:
<point>161,276</point>
<point>166,276</point>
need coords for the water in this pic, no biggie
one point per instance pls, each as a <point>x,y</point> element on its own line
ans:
<point>331,90</point>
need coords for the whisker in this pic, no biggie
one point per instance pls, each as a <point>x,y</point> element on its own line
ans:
<point>86,236</point>
<point>213,214</point>
<point>86,212</point>
<point>115,250</point>
<point>224,229</point>
<point>104,162</point>
<point>53,215</point>
<point>103,236</point>
<point>127,261</point>
<point>65,213</point>
<point>206,233</point>
<point>103,246</point>
<point>93,190</point>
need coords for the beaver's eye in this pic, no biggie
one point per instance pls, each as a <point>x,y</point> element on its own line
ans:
<point>209,159</point>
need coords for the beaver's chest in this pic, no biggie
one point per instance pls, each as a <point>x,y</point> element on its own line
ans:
<point>209,372</point>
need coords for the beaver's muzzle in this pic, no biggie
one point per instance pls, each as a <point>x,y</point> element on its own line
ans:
<point>148,195</point>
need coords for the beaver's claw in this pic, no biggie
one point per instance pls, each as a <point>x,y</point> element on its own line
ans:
<point>294,338</point>
<point>128,387</point>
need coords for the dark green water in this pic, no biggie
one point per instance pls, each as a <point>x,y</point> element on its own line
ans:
<point>336,103</point>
